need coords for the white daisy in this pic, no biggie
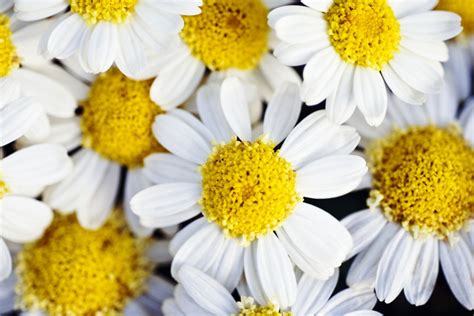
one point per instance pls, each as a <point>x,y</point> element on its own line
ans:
<point>247,190</point>
<point>108,31</point>
<point>27,95</point>
<point>199,294</point>
<point>353,49</point>
<point>74,271</point>
<point>112,130</point>
<point>23,175</point>
<point>229,38</point>
<point>421,203</point>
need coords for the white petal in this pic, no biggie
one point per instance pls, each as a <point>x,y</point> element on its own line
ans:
<point>252,276</point>
<point>419,73</point>
<point>64,36</point>
<point>341,103</point>
<point>400,88</point>
<point>135,181</point>
<point>275,271</point>
<point>274,74</point>
<point>467,121</point>
<point>168,168</point>
<point>184,234</point>
<point>177,81</point>
<point>282,112</point>
<point>313,294</point>
<point>321,76</point>
<point>26,41</point>
<point>298,54</point>
<point>370,95</point>
<point>10,90</point>
<point>206,291</point>
<point>201,251</point>
<point>23,219</point>
<point>422,281</point>
<point>17,117</point>
<point>29,10</point>
<point>432,25</point>
<point>405,7</point>
<point>130,58</point>
<point>289,10</point>
<point>212,114</point>
<point>456,261</point>
<point>5,261</point>
<point>158,288</point>
<point>53,96</point>
<point>312,235</point>
<point>364,227</point>
<point>330,176</point>
<point>99,47</point>
<point>363,270</point>
<point>95,210</point>
<point>301,28</point>
<point>300,146</point>
<point>39,165</point>
<point>182,139</point>
<point>82,182</point>
<point>181,7</point>
<point>235,107</point>
<point>134,309</point>
<point>167,204</point>
<point>429,49</point>
<point>396,266</point>
<point>320,5</point>
<point>349,300</point>
<point>227,269</point>
<point>187,304</point>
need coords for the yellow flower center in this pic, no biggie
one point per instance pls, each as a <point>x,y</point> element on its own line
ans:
<point>363,32</point>
<point>249,308</point>
<point>423,178</point>
<point>94,11</point>
<point>248,189</point>
<point>117,119</point>
<point>74,271</point>
<point>464,8</point>
<point>228,33</point>
<point>9,60</point>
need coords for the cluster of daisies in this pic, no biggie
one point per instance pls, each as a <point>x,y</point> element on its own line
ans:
<point>155,158</point>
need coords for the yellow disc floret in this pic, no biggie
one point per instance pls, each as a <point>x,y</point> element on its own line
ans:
<point>117,119</point>
<point>423,178</point>
<point>248,189</point>
<point>74,271</point>
<point>363,32</point>
<point>464,8</point>
<point>228,33</point>
<point>8,57</point>
<point>249,308</point>
<point>94,11</point>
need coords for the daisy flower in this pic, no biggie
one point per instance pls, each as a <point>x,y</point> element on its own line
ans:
<point>75,271</point>
<point>112,129</point>
<point>23,175</point>
<point>198,293</point>
<point>421,202</point>
<point>354,49</point>
<point>247,190</point>
<point>107,31</point>
<point>229,38</point>
<point>27,95</point>
<point>461,49</point>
